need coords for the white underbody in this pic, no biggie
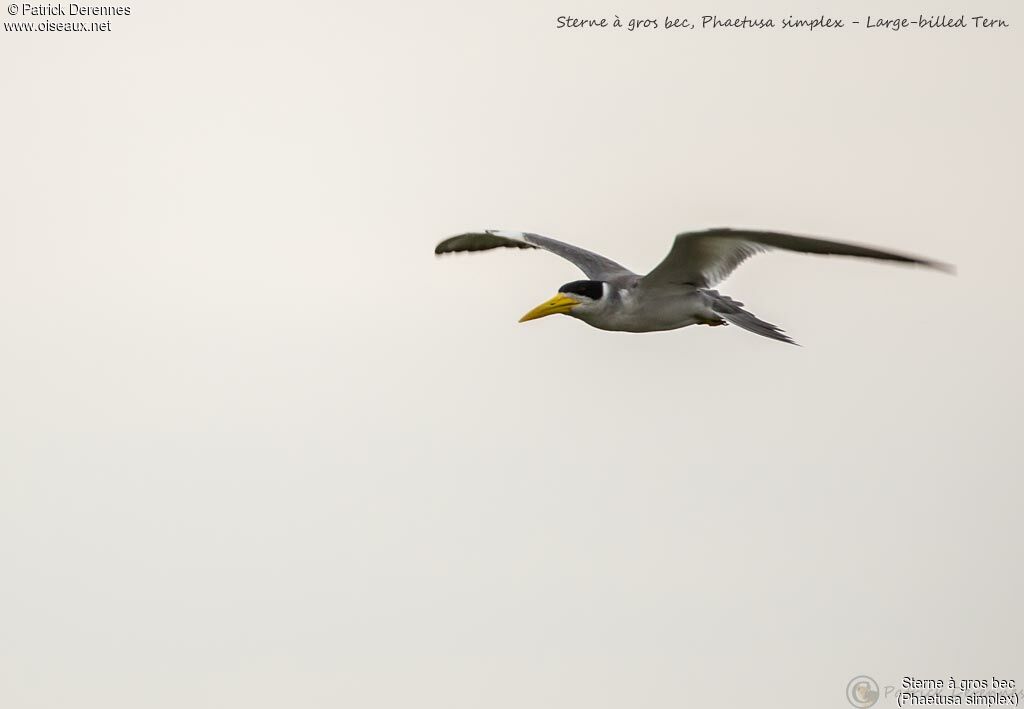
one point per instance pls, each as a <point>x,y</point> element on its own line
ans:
<point>633,312</point>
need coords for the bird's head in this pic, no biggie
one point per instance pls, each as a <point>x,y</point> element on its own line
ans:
<point>575,299</point>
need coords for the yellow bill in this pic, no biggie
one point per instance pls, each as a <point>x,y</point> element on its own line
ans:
<point>561,303</point>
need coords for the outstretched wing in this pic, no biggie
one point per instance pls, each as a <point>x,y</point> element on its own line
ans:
<point>705,258</point>
<point>595,266</point>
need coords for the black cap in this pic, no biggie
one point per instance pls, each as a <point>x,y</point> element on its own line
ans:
<point>590,289</point>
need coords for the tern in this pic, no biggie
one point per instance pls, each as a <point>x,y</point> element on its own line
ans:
<point>679,291</point>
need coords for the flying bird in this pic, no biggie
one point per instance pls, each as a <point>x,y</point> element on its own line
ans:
<point>679,291</point>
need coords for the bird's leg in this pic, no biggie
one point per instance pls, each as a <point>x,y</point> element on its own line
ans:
<point>712,322</point>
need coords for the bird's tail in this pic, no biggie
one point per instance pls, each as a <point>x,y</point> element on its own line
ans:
<point>732,310</point>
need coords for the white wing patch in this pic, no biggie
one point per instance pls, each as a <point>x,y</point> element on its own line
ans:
<point>507,234</point>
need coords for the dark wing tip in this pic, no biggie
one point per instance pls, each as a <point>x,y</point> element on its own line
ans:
<point>942,266</point>
<point>927,263</point>
<point>445,246</point>
<point>479,241</point>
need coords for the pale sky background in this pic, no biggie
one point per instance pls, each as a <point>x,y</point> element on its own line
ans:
<point>260,448</point>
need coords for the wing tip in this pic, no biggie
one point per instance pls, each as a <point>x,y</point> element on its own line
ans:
<point>444,246</point>
<point>485,240</point>
<point>941,266</point>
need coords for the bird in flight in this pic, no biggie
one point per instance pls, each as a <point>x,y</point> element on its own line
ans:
<point>679,291</point>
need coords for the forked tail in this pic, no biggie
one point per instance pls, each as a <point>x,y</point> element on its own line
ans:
<point>732,311</point>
